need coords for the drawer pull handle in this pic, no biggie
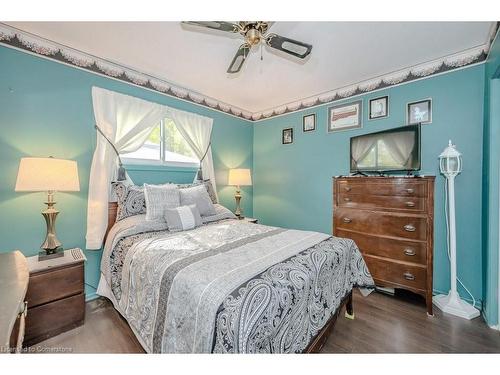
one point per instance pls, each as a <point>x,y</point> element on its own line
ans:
<point>408,276</point>
<point>347,199</point>
<point>410,252</point>
<point>346,220</point>
<point>410,191</point>
<point>347,188</point>
<point>410,204</point>
<point>409,228</point>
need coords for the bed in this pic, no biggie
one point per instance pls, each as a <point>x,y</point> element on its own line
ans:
<point>228,286</point>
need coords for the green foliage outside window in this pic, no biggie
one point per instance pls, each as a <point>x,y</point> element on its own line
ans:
<point>174,141</point>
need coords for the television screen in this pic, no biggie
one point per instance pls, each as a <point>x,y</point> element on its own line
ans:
<point>387,151</point>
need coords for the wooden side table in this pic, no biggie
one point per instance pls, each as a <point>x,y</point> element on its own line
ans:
<point>56,296</point>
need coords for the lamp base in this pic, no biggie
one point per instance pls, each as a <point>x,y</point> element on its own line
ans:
<point>452,304</point>
<point>238,212</point>
<point>50,254</point>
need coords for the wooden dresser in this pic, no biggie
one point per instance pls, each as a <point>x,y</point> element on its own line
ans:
<point>391,221</point>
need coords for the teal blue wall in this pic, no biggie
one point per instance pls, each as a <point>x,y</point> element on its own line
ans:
<point>293,187</point>
<point>46,109</point>
<point>491,176</point>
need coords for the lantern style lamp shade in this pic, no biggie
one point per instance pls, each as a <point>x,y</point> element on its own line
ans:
<point>450,161</point>
<point>239,177</point>
<point>50,175</point>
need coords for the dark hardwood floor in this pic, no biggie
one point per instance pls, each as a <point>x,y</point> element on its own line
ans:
<point>382,324</point>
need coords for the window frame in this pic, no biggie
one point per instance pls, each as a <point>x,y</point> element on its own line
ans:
<point>161,161</point>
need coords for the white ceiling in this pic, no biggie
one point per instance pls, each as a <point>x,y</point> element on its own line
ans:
<point>343,53</point>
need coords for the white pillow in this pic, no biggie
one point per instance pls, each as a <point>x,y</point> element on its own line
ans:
<point>198,195</point>
<point>159,198</point>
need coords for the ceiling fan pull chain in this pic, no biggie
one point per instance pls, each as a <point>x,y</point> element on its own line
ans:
<point>261,57</point>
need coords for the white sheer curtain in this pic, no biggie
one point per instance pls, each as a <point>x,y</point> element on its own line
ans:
<point>127,122</point>
<point>361,147</point>
<point>400,146</point>
<point>197,131</point>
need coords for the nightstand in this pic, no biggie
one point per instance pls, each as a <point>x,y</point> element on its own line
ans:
<point>251,220</point>
<point>55,296</point>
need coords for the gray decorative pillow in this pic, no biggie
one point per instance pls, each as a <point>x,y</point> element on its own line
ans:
<point>221,213</point>
<point>211,191</point>
<point>130,200</point>
<point>198,195</point>
<point>160,198</point>
<point>208,185</point>
<point>182,218</point>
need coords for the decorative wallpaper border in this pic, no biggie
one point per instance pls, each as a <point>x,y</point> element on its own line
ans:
<point>13,37</point>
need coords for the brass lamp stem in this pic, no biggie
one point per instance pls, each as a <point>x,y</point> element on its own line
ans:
<point>51,243</point>
<point>237,197</point>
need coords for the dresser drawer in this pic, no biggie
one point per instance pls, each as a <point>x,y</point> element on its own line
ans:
<point>366,201</point>
<point>407,251</point>
<point>399,187</point>
<point>403,274</point>
<point>50,285</point>
<point>391,225</point>
<point>53,318</point>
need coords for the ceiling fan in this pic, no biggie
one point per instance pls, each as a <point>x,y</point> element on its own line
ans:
<point>254,33</point>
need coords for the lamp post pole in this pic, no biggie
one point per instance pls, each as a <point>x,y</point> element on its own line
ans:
<point>453,238</point>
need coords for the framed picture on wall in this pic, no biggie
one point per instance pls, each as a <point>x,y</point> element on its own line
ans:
<point>345,116</point>
<point>379,107</point>
<point>419,112</point>
<point>309,123</point>
<point>287,136</point>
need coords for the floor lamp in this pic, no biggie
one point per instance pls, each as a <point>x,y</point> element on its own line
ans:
<point>450,165</point>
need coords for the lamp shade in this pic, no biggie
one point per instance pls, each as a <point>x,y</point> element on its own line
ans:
<point>47,174</point>
<point>239,177</point>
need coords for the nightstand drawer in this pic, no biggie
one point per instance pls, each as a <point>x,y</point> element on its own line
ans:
<point>53,284</point>
<point>53,318</point>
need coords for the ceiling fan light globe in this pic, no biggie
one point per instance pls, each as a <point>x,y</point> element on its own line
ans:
<point>253,37</point>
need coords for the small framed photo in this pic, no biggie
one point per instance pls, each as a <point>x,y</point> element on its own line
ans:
<point>419,112</point>
<point>345,116</point>
<point>309,123</point>
<point>379,108</point>
<point>287,136</point>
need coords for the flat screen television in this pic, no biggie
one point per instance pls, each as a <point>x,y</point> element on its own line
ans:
<point>392,150</point>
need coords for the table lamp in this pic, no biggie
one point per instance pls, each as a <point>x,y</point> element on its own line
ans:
<point>50,175</point>
<point>239,177</point>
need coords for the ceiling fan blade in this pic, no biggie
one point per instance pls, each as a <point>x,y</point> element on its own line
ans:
<point>215,25</point>
<point>287,45</point>
<point>239,58</point>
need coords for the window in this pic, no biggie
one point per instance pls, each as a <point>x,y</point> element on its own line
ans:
<point>165,145</point>
<point>379,157</point>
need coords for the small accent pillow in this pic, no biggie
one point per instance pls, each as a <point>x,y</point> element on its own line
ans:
<point>198,195</point>
<point>160,198</point>
<point>130,199</point>
<point>182,218</point>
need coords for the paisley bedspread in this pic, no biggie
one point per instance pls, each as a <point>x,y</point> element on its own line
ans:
<point>228,286</point>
